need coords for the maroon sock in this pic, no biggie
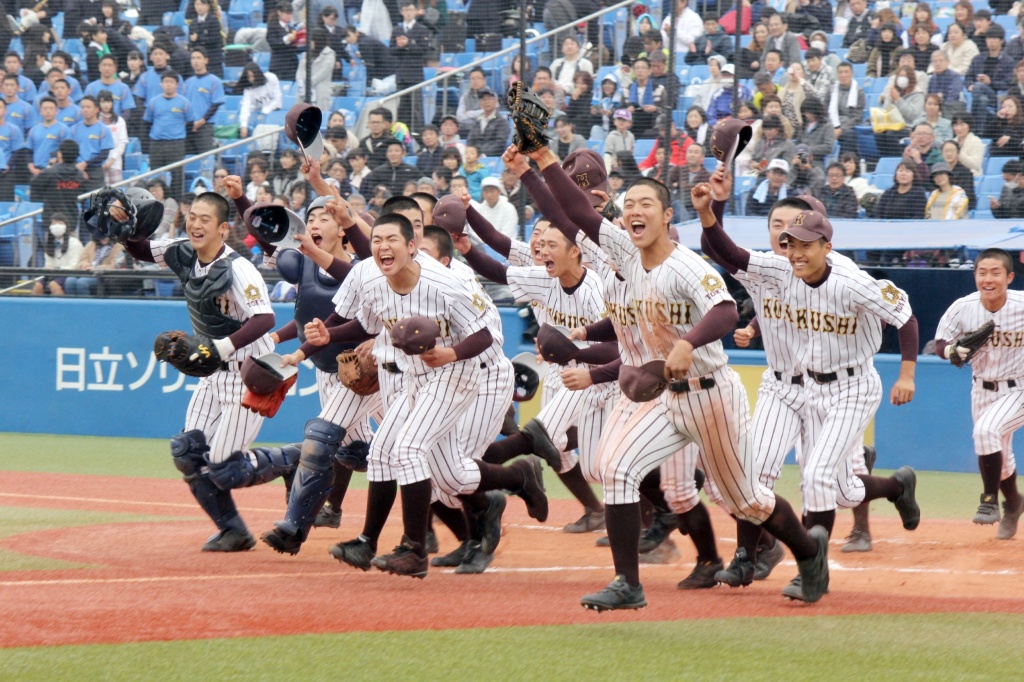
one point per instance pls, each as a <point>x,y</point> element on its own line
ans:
<point>650,489</point>
<point>697,524</point>
<point>453,519</point>
<point>342,476</point>
<point>1008,486</point>
<point>580,488</point>
<point>991,467</point>
<point>623,524</point>
<point>496,477</point>
<point>474,504</point>
<point>503,450</point>
<point>747,536</point>
<point>416,514</point>
<point>380,497</point>
<point>827,519</point>
<point>784,525</point>
<point>877,487</point>
<point>860,517</point>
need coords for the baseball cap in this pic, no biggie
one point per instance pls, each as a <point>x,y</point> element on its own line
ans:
<point>276,224</point>
<point>587,170</point>
<point>450,213</point>
<point>302,126</point>
<point>803,149</point>
<point>485,92</point>
<point>491,182</point>
<point>320,202</point>
<point>729,68</point>
<point>264,375</point>
<point>415,335</point>
<point>814,203</point>
<point>555,344</point>
<point>941,168</point>
<point>527,376</point>
<point>624,114</point>
<point>778,164</point>
<point>644,383</point>
<point>808,226</point>
<point>729,137</point>
<point>451,118</point>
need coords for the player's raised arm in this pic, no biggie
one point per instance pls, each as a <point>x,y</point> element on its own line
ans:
<point>483,228</point>
<point>574,200</point>
<point>484,265</point>
<point>714,242</point>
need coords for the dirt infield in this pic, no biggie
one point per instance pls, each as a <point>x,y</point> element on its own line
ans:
<point>150,582</point>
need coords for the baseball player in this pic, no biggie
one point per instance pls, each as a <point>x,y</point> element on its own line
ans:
<point>228,303</point>
<point>997,393</point>
<point>419,301</point>
<point>838,314</point>
<point>680,309</point>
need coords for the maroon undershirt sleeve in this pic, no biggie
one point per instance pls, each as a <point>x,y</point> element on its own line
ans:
<point>602,330</point>
<point>255,327</point>
<point>339,269</point>
<point>576,204</point>
<point>486,266</point>
<point>715,324</point>
<point>288,332</point>
<point>909,336</point>
<point>940,348</point>
<point>140,250</point>
<point>546,202</point>
<point>488,233</point>
<point>474,344</point>
<point>359,241</point>
<point>242,204</point>
<point>341,331</point>
<point>606,373</point>
<point>723,249</point>
<point>755,324</point>
<point>599,353</point>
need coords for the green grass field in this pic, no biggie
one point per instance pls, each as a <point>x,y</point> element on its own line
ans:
<point>929,647</point>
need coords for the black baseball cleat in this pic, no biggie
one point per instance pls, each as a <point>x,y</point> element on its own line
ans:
<point>813,578</point>
<point>432,546</point>
<point>542,444</point>
<point>740,572</point>
<point>870,455</point>
<point>452,558</point>
<point>327,517</point>
<point>282,542</point>
<point>767,559</point>
<point>230,540</point>
<point>702,576</point>
<point>475,561</point>
<point>356,553</point>
<point>489,522</point>
<point>618,595</point>
<point>532,491</point>
<point>906,501</point>
<point>405,559</point>
<point>661,527</point>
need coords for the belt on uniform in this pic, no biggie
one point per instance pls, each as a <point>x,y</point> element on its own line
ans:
<point>694,384</point>
<point>994,385</point>
<point>796,380</point>
<point>231,366</point>
<point>828,378</point>
<point>391,367</point>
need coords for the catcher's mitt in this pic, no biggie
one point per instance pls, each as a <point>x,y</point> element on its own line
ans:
<point>529,117</point>
<point>195,356</point>
<point>358,375</point>
<point>961,351</point>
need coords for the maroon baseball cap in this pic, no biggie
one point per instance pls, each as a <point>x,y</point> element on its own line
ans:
<point>302,126</point>
<point>644,383</point>
<point>415,335</point>
<point>729,137</point>
<point>450,213</point>
<point>808,226</point>
<point>814,203</point>
<point>264,375</point>
<point>555,344</point>
<point>586,168</point>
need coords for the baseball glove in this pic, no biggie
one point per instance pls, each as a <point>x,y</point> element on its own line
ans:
<point>268,405</point>
<point>195,356</point>
<point>357,375</point>
<point>961,351</point>
<point>530,118</point>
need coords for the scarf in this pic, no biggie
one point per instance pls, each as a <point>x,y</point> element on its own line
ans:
<point>833,106</point>
<point>761,193</point>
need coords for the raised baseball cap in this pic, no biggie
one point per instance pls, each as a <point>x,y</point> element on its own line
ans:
<point>644,383</point>
<point>264,375</point>
<point>276,224</point>
<point>450,214</point>
<point>587,170</point>
<point>415,335</point>
<point>728,138</point>
<point>302,126</point>
<point>555,344</point>
<point>808,226</point>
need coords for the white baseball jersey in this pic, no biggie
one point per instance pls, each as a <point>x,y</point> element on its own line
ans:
<point>348,308</point>
<point>618,302</point>
<point>492,318</point>
<point>520,254</point>
<point>1002,358</point>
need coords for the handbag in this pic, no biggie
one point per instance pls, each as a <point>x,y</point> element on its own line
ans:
<point>858,52</point>
<point>884,120</point>
<point>227,132</point>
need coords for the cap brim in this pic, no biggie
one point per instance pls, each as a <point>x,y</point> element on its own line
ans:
<point>565,331</point>
<point>315,149</point>
<point>800,234</point>
<point>295,226</point>
<point>528,360</point>
<point>273,361</point>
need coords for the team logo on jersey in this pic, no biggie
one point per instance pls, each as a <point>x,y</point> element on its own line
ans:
<point>890,294</point>
<point>252,293</point>
<point>712,283</point>
<point>478,303</point>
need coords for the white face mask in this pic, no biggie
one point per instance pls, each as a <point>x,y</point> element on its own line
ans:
<point>1011,185</point>
<point>58,230</point>
<point>727,82</point>
<point>902,82</point>
<point>819,45</point>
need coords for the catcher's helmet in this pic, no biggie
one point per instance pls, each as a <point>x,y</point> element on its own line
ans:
<point>141,213</point>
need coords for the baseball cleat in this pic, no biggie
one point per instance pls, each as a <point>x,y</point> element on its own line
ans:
<point>403,560</point>
<point>452,558</point>
<point>328,517</point>
<point>988,511</point>
<point>356,553</point>
<point>702,576</point>
<point>532,491</point>
<point>282,542</point>
<point>602,541</point>
<point>1008,526</point>
<point>665,553</point>
<point>906,501</point>
<point>431,543</point>
<point>857,541</point>
<point>489,522</point>
<point>475,561</point>
<point>542,444</point>
<point>618,595</point>
<point>767,559</point>
<point>230,540</point>
<point>591,521</point>
<point>740,572</point>
<point>870,456</point>
<point>661,527</point>
<point>813,572</point>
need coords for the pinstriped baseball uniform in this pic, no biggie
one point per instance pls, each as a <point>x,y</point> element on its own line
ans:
<point>840,325</point>
<point>667,302</point>
<point>553,305</point>
<point>520,254</point>
<point>996,413</point>
<point>216,406</point>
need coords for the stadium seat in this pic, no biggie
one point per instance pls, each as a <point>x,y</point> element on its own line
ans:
<point>411,160</point>
<point>994,165</point>
<point>596,145</point>
<point>642,149</point>
<point>991,186</point>
<point>698,73</point>
<point>882,181</point>
<point>287,87</point>
<point>741,188</point>
<point>867,147</point>
<point>711,163</point>
<point>887,165</point>
<point>835,42</point>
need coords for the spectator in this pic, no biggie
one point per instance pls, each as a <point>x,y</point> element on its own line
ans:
<point>428,156</point>
<point>409,41</point>
<point>168,116</point>
<point>922,152</point>
<point>721,102</point>
<point>805,173</point>
<point>748,60</point>
<point>542,80</point>
<point>661,76</point>
<point>512,188</point>
<point>205,31</point>
<point>442,178</point>
<point>289,173</point>
<point>337,175</point>
<point>281,36</point>
<point>177,56</point>
<point>711,84</point>
<point>330,34</point>
<point>689,27</point>
<point>714,41</point>
<point>764,87</point>
<point>114,164</point>
<point>60,184</point>
<point>474,171</point>
<point>1017,89</point>
<point>358,169</point>
<point>781,39</point>
<point>1007,129</point>
<point>1010,203</point>
<point>1015,46</point>
<point>374,55</point>
<point>846,107</point>
<point>514,75</point>
<point>678,144</point>
<point>933,116</point>
<point>959,50</point>
<point>772,65</point>
<point>904,96</point>
<point>816,133</point>
<point>821,10</point>
<point>66,63</point>
<point>497,209</point>
<point>769,190</point>
<point>691,175</point>
<point>619,141</point>
<point>859,24</point>
<point>124,101</point>
<point>450,135</point>
<point>819,41</point>
<point>851,169</point>
<point>922,48</point>
<point>882,59</point>
<point>99,254</point>
<point>653,44</point>
<point>259,173</point>
<point>796,90</point>
<point>695,126</point>
<point>566,139</point>
<point>94,144</point>
<point>947,202</point>
<point>261,94</point>
<point>149,85</point>
<point>959,174</point>
<point>13,67</point>
<point>604,107</point>
<point>394,173</point>
<point>489,132</point>
<point>990,73</point>
<point>905,200</point>
<point>972,149</point>
<point>558,13</point>
<point>375,144</point>
<point>337,137</point>
<point>469,102</point>
<point>645,100</point>
<point>944,81</point>
<point>321,72</point>
<point>565,68</point>
<point>772,145</point>
<point>982,28</point>
<point>158,189</point>
<point>19,112</point>
<point>61,251</point>
<point>96,47</point>
<point>839,198</point>
<point>46,87</point>
<point>452,160</point>
<point>922,18</point>
<point>205,93</point>
<point>45,136</point>
<point>818,74</point>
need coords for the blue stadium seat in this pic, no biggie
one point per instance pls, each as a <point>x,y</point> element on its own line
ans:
<point>887,165</point>
<point>174,18</point>
<point>134,146</point>
<point>698,73</point>
<point>882,181</point>
<point>262,59</point>
<point>741,188</point>
<point>860,71</point>
<point>835,42</point>
<point>1007,22</point>
<point>991,186</point>
<point>711,163</point>
<point>994,165</point>
<point>867,147</point>
<point>596,145</point>
<point>642,149</point>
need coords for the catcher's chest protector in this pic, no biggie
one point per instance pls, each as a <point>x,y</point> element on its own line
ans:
<point>201,292</point>
<point>315,298</point>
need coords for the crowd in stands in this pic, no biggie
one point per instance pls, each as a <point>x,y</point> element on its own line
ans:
<point>898,111</point>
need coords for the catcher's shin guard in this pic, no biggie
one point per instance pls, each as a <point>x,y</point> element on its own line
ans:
<point>261,465</point>
<point>188,450</point>
<point>314,478</point>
